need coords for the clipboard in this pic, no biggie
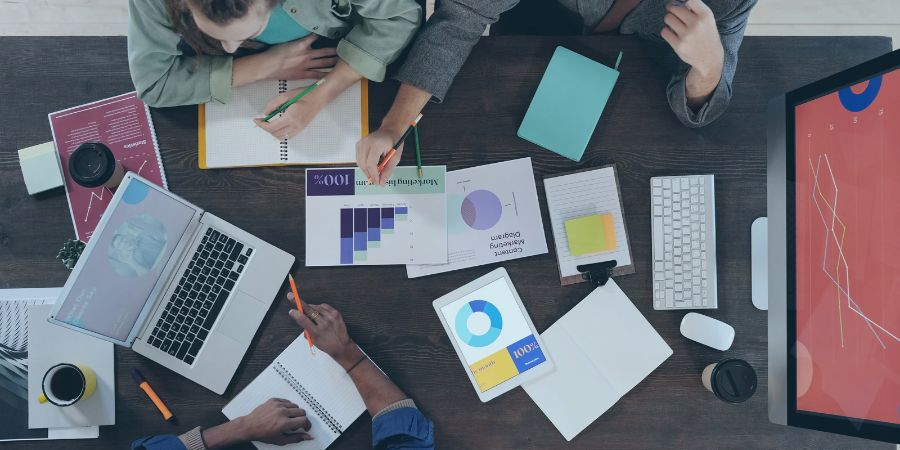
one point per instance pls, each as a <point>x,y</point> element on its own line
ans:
<point>572,195</point>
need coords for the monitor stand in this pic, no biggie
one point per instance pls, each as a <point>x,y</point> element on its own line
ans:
<point>759,262</point>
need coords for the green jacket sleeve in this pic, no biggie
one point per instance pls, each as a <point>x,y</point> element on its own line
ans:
<point>384,29</point>
<point>162,75</point>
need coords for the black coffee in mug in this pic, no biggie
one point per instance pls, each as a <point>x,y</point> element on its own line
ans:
<point>66,384</point>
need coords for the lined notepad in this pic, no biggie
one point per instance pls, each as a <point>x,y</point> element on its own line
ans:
<point>228,136</point>
<point>581,194</point>
<point>315,382</point>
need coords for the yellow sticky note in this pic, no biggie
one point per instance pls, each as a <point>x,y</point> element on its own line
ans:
<point>591,234</point>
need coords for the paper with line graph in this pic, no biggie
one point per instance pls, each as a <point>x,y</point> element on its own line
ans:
<point>847,271</point>
<point>123,124</point>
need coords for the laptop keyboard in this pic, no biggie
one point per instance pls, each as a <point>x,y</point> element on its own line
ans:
<point>202,291</point>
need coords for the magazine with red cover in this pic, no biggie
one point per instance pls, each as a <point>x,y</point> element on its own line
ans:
<point>123,124</point>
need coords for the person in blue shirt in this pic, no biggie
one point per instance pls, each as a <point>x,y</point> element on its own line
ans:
<point>396,422</point>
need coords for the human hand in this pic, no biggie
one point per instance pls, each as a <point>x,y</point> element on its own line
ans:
<point>277,421</point>
<point>691,31</point>
<point>297,60</point>
<point>371,148</point>
<point>295,118</point>
<point>327,330</point>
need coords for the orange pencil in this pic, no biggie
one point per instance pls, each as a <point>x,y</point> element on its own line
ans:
<point>299,308</point>
<point>393,151</point>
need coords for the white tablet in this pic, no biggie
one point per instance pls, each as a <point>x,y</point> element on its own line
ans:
<point>493,335</point>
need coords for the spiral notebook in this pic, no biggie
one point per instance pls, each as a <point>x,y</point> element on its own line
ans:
<point>316,383</point>
<point>228,137</point>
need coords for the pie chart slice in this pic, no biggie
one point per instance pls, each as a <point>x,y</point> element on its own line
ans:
<point>481,209</point>
<point>479,307</point>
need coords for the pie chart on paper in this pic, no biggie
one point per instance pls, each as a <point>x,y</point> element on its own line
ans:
<point>481,209</point>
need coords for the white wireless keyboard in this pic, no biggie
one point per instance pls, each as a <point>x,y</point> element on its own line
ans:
<point>684,242</point>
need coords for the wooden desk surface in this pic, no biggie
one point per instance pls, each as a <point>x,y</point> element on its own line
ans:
<point>392,317</point>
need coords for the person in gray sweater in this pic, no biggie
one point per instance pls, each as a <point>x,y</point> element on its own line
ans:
<point>702,44</point>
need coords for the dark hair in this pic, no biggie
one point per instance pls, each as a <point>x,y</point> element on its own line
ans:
<point>219,11</point>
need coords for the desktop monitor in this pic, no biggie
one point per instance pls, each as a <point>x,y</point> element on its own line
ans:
<point>834,253</point>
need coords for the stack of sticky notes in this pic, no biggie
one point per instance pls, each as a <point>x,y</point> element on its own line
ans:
<point>40,168</point>
<point>568,102</point>
<point>591,234</point>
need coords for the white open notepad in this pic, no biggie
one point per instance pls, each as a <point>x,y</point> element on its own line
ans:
<point>228,137</point>
<point>315,382</point>
<point>602,349</point>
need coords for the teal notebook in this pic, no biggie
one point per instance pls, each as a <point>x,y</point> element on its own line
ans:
<point>568,102</point>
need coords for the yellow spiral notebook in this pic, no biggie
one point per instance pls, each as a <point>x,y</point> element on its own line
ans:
<point>228,137</point>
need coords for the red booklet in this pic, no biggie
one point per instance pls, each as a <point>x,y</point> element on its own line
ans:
<point>123,124</point>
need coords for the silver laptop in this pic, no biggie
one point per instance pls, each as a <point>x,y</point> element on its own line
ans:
<point>173,282</point>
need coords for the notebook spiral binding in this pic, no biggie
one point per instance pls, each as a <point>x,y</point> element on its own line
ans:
<point>283,151</point>
<point>309,399</point>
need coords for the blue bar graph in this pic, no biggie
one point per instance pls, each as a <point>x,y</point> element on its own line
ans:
<point>346,236</point>
<point>363,229</point>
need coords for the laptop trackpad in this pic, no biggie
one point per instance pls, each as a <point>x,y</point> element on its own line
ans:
<point>242,317</point>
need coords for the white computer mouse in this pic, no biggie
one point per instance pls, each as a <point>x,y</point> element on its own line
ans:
<point>707,331</point>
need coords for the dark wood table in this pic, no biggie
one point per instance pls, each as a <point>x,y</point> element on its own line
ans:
<point>390,316</point>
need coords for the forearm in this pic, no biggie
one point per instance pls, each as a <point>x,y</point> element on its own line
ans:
<point>225,435</point>
<point>409,103</point>
<point>700,84</point>
<point>376,389</point>
<point>338,80</point>
<point>249,69</point>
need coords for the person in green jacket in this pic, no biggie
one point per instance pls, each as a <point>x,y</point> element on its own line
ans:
<point>370,33</point>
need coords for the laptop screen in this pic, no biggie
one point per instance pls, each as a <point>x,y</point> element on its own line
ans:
<point>126,261</point>
<point>848,276</point>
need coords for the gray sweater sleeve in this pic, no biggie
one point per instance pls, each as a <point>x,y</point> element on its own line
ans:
<point>444,43</point>
<point>731,31</point>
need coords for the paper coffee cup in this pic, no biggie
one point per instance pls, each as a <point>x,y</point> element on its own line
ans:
<point>93,164</point>
<point>731,380</point>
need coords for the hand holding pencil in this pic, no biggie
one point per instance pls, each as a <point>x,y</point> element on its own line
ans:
<point>297,110</point>
<point>379,153</point>
<point>327,330</point>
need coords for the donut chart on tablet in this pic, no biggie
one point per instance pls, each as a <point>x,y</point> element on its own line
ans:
<point>493,334</point>
<point>479,307</point>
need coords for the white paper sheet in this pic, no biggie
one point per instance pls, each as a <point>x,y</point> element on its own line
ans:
<point>51,344</point>
<point>493,215</point>
<point>14,377</point>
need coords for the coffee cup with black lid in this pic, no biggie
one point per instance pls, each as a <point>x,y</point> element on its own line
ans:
<point>732,380</point>
<point>93,164</point>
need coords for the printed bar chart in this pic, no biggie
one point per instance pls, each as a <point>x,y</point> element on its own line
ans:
<point>387,220</point>
<point>346,236</point>
<point>352,222</point>
<point>362,229</point>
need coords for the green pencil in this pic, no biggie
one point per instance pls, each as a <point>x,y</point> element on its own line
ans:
<point>293,100</point>
<point>418,150</point>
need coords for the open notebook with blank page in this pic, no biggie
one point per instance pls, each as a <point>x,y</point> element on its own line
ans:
<point>316,383</point>
<point>228,137</point>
